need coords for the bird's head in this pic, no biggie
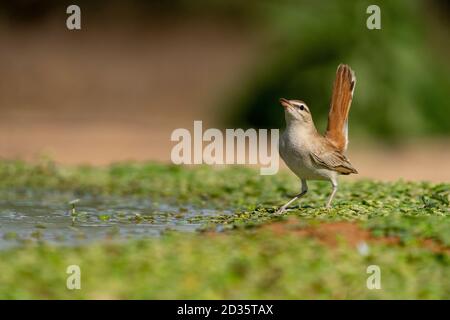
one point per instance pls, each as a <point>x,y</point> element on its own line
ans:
<point>296,111</point>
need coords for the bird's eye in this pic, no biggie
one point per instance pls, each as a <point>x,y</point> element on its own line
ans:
<point>301,107</point>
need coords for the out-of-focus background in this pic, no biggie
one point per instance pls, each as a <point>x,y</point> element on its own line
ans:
<point>137,70</point>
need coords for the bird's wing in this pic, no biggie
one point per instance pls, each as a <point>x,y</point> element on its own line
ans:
<point>343,87</point>
<point>332,159</point>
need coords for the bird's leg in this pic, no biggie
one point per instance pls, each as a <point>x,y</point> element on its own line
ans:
<point>333,192</point>
<point>301,194</point>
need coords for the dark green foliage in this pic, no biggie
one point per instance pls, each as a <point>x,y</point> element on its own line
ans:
<point>402,85</point>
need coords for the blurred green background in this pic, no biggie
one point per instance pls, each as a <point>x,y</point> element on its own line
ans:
<point>137,70</point>
<point>402,69</point>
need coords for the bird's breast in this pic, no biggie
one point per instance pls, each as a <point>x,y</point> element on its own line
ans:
<point>295,152</point>
<point>292,151</point>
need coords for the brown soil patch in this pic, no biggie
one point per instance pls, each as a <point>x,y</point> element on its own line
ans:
<point>334,233</point>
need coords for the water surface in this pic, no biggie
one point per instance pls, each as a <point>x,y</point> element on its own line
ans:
<point>49,217</point>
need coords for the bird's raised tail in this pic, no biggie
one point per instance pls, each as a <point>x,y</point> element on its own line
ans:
<point>337,129</point>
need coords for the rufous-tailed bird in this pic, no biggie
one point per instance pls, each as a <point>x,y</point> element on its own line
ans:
<point>310,155</point>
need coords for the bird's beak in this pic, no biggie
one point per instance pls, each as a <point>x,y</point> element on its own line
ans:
<point>285,103</point>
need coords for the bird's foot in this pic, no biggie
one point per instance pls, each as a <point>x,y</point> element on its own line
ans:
<point>280,211</point>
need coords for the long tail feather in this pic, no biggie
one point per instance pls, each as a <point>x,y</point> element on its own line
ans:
<point>344,85</point>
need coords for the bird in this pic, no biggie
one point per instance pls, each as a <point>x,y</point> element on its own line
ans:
<point>307,153</point>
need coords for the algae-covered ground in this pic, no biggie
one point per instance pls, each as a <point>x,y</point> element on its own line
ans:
<point>240,251</point>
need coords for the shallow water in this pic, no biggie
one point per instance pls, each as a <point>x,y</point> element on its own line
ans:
<point>49,218</point>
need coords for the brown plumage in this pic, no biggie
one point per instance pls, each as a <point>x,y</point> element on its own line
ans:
<point>341,99</point>
<point>325,155</point>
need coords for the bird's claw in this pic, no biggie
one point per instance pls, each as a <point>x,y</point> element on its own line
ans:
<point>280,211</point>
